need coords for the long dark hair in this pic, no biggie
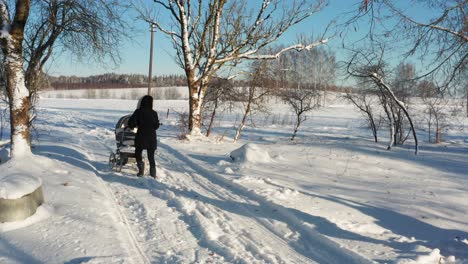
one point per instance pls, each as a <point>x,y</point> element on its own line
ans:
<point>146,102</point>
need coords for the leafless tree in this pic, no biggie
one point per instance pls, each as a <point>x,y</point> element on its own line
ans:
<point>463,84</point>
<point>301,99</point>
<point>86,29</point>
<point>220,92</point>
<point>256,97</point>
<point>436,112</point>
<point>404,87</point>
<point>364,100</point>
<point>210,34</point>
<point>83,27</point>
<point>370,66</point>
<point>11,42</point>
<point>301,77</point>
<point>439,40</point>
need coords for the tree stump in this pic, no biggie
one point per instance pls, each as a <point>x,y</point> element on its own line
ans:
<point>21,208</point>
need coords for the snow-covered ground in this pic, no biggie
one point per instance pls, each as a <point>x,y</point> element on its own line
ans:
<point>330,196</point>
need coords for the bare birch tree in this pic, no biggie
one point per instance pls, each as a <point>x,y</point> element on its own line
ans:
<point>87,29</point>
<point>210,34</point>
<point>404,86</point>
<point>220,92</point>
<point>11,41</point>
<point>257,93</point>
<point>440,113</point>
<point>371,66</point>
<point>439,39</point>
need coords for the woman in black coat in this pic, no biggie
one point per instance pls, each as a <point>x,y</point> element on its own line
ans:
<point>146,120</point>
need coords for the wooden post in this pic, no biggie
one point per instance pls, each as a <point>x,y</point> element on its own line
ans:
<point>150,74</point>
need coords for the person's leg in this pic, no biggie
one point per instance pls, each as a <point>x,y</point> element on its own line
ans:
<point>139,160</point>
<point>152,162</point>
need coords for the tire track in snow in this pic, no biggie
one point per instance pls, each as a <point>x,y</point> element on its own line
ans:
<point>144,218</point>
<point>310,245</point>
<point>152,242</point>
<point>211,226</point>
<point>222,232</point>
<point>141,256</point>
<point>136,253</point>
<point>252,215</point>
<point>143,237</point>
<point>218,233</point>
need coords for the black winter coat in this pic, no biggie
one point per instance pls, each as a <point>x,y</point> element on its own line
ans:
<point>146,120</point>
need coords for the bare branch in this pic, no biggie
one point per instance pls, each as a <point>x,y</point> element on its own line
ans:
<point>250,54</point>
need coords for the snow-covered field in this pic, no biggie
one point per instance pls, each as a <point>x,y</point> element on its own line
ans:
<point>330,196</point>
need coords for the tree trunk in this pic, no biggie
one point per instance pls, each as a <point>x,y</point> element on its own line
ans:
<point>296,128</point>
<point>379,81</point>
<point>373,127</point>
<point>196,93</point>
<point>33,80</point>
<point>392,131</point>
<point>429,124</point>
<point>396,125</point>
<point>391,123</point>
<point>18,97</point>
<point>18,94</point>
<point>213,114</point>
<point>242,124</point>
<point>438,135</point>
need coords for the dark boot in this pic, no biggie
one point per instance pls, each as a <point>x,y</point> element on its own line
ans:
<point>153,172</point>
<point>141,168</point>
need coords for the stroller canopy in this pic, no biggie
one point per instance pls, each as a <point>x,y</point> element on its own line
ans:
<point>123,122</point>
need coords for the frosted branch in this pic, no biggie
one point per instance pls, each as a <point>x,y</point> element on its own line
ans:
<point>251,55</point>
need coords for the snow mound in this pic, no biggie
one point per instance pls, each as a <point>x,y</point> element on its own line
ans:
<point>250,153</point>
<point>15,185</point>
<point>18,176</point>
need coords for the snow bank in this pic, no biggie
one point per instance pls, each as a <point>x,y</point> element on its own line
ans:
<point>17,177</point>
<point>250,153</point>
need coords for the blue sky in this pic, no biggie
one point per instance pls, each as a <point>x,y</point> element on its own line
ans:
<point>135,53</point>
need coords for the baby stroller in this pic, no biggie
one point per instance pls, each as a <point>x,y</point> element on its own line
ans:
<point>125,140</point>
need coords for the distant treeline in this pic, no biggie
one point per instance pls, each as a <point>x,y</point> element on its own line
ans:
<point>114,80</point>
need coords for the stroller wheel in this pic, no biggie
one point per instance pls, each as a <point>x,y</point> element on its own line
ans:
<point>120,159</point>
<point>112,161</point>
<point>119,166</point>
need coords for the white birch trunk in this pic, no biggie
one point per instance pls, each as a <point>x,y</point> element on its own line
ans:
<point>392,132</point>
<point>196,99</point>
<point>402,106</point>
<point>11,39</point>
<point>242,124</point>
<point>19,107</point>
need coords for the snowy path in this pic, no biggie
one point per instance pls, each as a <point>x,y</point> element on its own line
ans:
<point>193,215</point>
<point>313,204</point>
<point>237,221</point>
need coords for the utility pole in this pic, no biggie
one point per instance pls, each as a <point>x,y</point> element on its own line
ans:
<point>150,74</point>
